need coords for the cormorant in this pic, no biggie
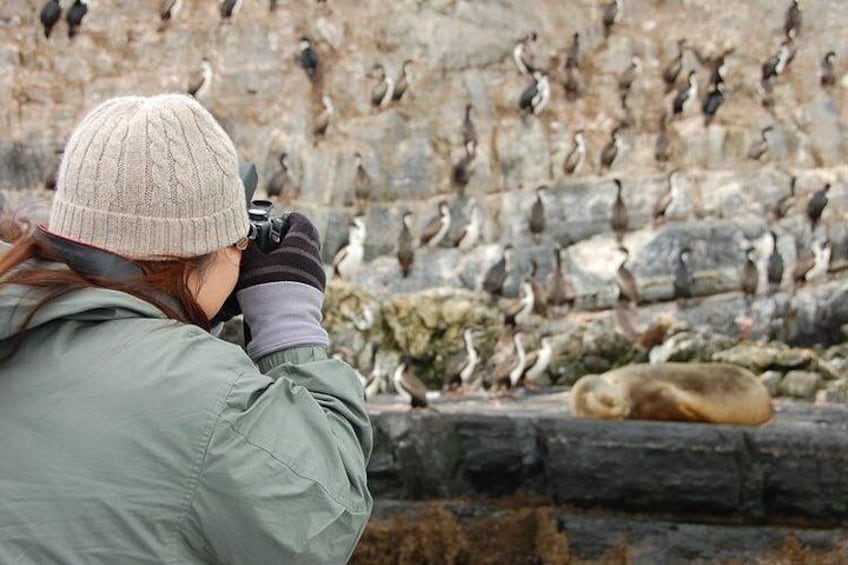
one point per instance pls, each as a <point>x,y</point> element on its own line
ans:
<point>816,205</point>
<point>612,14</point>
<point>307,57</point>
<point>50,15</point>
<point>403,81</point>
<point>827,71</point>
<point>618,214</point>
<point>627,288</point>
<point>495,277</point>
<point>610,150</point>
<point>672,70</point>
<point>406,245</point>
<point>74,16</point>
<point>469,132</point>
<point>683,275</point>
<point>535,97</point>
<point>574,160</point>
<point>686,94</point>
<point>537,214</point>
<point>774,268</point>
<point>759,148</point>
<point>436,230</point>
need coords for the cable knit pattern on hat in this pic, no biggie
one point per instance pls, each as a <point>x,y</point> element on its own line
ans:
<point>150,178</point>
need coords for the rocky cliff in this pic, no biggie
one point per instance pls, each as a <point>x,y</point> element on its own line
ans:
<point>462,53</point>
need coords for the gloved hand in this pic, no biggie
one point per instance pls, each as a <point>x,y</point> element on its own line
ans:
<point>281,292</point>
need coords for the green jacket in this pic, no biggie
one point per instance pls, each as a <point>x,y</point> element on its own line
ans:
<point>126,437</point>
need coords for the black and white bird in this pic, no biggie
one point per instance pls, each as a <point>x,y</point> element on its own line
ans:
<point>51,13</point>
<point>508,372</point>
<point>539,360</point>
<point>408,386</point>
<point>628,76</point>
<point>307,57</point>
<point>438,227</point>
<point>810,266</point>
<point>827,70</point>
<point>775,265</point>
<point>322,122</point>
<point>572,60</point>
<point>168,11</point>
<point>618,213</point>
<point>406,245</point>
<point>74,16</point>
<point>672,71</point>
<point>229,8</point>
<point>469,131</point>
<point>464,168</point>
<point>560,291</point>
<point>403,81</point>
<point>573,163</point>
<point>536,220</point>
<point>612,14</point>
<point>521,55</point>
<point>749,277</point>
<point>494,279</point>
<point>712,102</point>
<point>202,80</point>
<point>535,96</point>
<point>610,151</point>
<point>816,205</point>
<point>361,181</point>
<point>279,183</point>
<point>573,83</point>
<point>682,285</point>
<point>662,145</point>
<point>758,148</point>
<point>686,95</point>
<point>519,312</point>
<point>349,258</point>
<point>381,93</point>
<point>776,64</point>
<point>628,289</point>
<point>540,293</point>
<point>665,199</point>
<point>460,368</point>
<point>469,233</point>
<point>785,202</point>
<point>792,21</point>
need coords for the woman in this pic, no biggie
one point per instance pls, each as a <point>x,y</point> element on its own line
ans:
<point>130,434</point>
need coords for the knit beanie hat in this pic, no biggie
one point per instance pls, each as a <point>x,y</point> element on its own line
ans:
<point>149,178</point>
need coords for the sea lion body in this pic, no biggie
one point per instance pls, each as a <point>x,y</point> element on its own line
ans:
<point>718,393</point>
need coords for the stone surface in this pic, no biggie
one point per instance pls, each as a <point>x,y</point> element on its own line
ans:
<point>792,467</point>
<point>800,384</point>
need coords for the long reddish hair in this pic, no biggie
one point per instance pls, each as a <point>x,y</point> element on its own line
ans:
<point>169,277</point>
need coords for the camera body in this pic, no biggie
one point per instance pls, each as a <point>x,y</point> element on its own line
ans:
<point>267,226</point>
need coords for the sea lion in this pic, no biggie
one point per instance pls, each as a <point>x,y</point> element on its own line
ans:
<point>718,393</point>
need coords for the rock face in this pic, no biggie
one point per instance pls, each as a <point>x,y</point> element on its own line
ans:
<point>791,467</point>
<point>462,53</point>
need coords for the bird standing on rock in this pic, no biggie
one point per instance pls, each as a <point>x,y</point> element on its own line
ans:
<point>349,258</point>
<point>827,70</point>
<point>815,207</point>
<point>683,275</point>
<point>276,187</point>
<point>574,160</point>
<point>537,214</point>
<point>467,236</point>
<point>469,132</point>
<point>775,266</point>
<point>508,372</point>
<point>612,14</point>
<point>403,81</point>
<point>560,290</point>
<point>572,60</point>
<point>535,97</point>
<point>792,22</point>
<point>74,16</point>
<point>168,10</point>
<point>628,290</point>
<point>202,80</point>
<point>662,145</point>
<point>686,95</point>
<point>460,369</point>
<point>665,199</point>
<point>519,313</point>
<point>495,277</point>
<point>520,55</point>
<point>618,215</point>
<point>714,99</point>
<point>673,69</point>
<point>438,227</point>
<point>463,169</point>
<point>50,15</point>
<point>406,245</point>
<point>381,93</point>
<point>749,277</point>
<point>776,64</point>
<point>610,151</point>
<point>229,8</point>
<point>361,181</point>
<point>307,57</point>
<point>322,122</point>
<point>408,386</point>
<point>538,361</point>
<point>628,77</point>
<point>760,147</point>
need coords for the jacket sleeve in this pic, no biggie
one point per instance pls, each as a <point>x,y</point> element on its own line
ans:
<point>283,479</point>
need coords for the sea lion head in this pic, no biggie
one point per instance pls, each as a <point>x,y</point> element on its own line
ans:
<point>593,397</point>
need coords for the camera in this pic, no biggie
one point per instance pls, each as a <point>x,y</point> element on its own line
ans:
<point>267,226</point>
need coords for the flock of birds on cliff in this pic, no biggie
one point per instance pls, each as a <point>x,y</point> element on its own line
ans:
<point>514,366</point>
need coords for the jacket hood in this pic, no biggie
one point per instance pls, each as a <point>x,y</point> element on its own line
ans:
<point>91,304</point>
